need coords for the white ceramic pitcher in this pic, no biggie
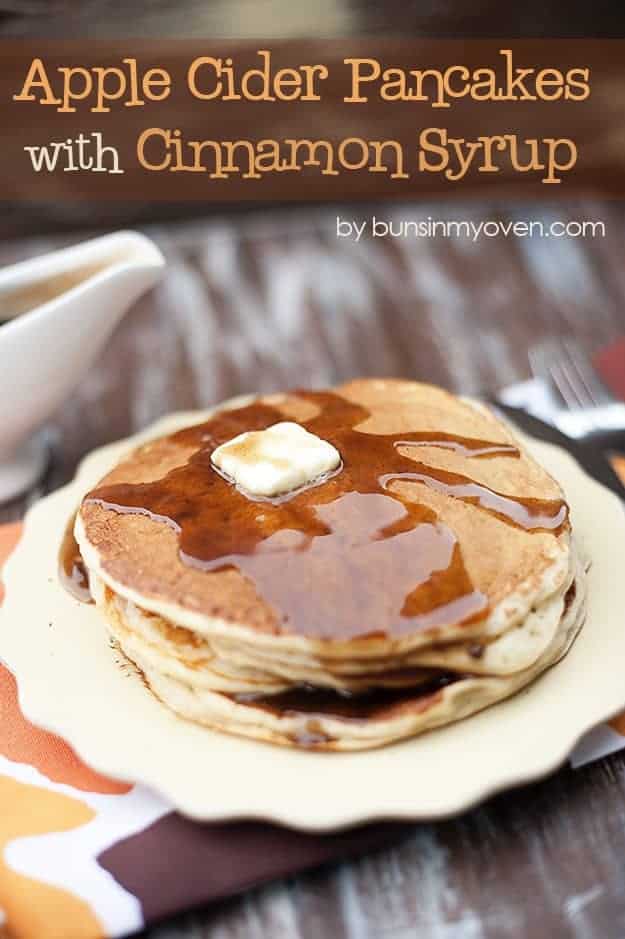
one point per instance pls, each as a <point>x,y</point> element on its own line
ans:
<point>56,313</point>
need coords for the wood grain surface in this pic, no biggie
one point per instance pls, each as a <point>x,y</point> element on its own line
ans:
<point>273,299</point>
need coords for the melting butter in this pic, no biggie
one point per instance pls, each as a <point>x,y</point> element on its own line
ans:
<point>280,459</point>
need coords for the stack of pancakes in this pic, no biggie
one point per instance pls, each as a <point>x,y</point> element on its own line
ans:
<point>432,575</point>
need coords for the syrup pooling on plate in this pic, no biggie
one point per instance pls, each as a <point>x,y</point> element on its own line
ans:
<point>349,557</point>
<point>72,571</point>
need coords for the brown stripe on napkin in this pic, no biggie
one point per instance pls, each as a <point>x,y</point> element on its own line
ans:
<point>177,864</point>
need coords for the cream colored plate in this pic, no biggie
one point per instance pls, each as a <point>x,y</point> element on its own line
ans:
<point>71,682</point>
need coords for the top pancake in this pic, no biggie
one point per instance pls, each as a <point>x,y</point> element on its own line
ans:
<point>366,582</point>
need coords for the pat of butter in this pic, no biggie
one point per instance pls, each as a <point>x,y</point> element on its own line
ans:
<point>277,460</point>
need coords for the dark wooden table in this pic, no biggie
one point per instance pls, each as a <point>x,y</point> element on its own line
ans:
<point>272,300</point>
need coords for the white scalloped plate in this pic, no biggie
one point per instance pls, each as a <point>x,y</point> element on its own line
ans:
<point>71,682</point>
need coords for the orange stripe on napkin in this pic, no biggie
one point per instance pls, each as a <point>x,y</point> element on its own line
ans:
<point>9,536</point>
<point>22,742</point>
<point>34,909</point>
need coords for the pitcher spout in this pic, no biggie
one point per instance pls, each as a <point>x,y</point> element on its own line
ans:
<point>56,313</point>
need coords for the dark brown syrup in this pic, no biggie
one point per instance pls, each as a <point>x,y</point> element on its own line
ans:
<point>72,571</point>
<point>363,706</point>
<point>346,558</point>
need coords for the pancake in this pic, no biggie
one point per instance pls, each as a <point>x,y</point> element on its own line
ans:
<point>432,566</point>
<point>330,721</point>
<point>178,652</point>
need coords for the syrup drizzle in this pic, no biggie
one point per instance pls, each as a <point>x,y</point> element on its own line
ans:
<point>351,557</point>
<point>465,446</point>
<point>530,514</point>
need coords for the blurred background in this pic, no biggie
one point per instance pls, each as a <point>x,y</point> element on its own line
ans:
<point>287,19</point>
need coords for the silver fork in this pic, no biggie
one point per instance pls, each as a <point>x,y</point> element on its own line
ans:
<point>582,403</point>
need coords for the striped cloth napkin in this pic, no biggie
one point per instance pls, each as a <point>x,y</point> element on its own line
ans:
<point>84,856</point>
